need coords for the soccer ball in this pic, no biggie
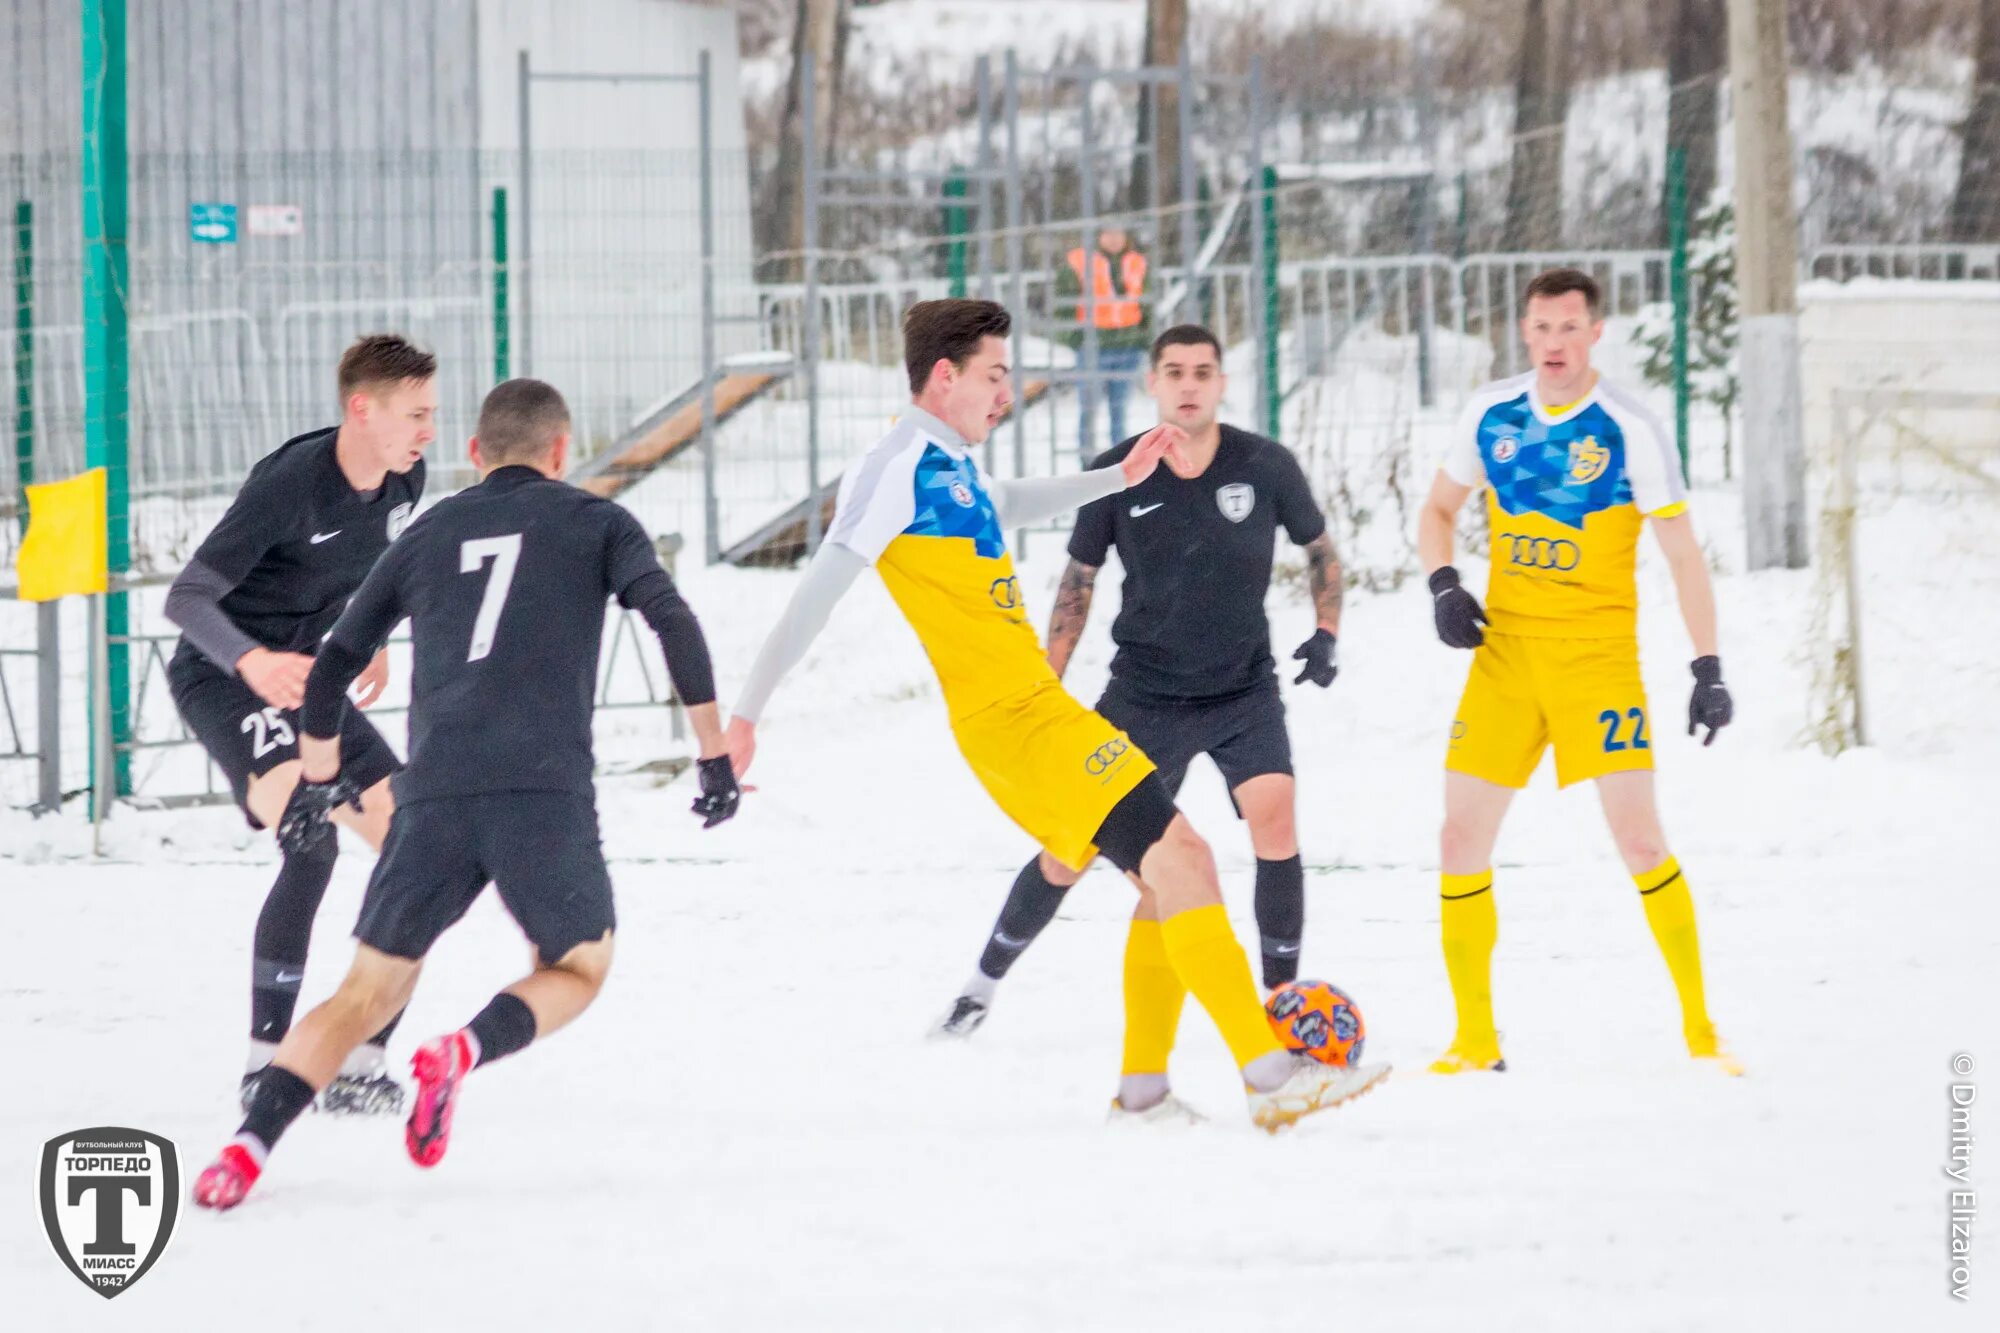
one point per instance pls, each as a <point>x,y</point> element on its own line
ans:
<point>1317,1019</point>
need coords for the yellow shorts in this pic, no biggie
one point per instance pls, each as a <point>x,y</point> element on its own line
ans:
<point>1053,766</point>
<point>1584,695</point>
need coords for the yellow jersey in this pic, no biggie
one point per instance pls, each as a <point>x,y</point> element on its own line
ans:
<point>1565,493</point>
<point>917,508</point>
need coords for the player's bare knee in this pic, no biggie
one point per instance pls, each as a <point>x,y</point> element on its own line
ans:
<point>1465,841</point>
<point>376,987</point>
<point>1642,849</point>
<point>1274,834</point>
<point>1185,842</point>
<point>1058,874</point>
<point>268,793</point>
<point>1185,850</point>
<point>589,963</point>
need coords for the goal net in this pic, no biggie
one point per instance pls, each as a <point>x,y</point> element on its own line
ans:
<point>1903,436</point>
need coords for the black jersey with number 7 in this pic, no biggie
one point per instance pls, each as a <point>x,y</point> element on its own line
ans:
<point>504,585</point>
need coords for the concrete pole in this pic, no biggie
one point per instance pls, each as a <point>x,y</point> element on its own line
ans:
<point>1774,505</point>
<point>809,225</point>
<point>712,542</point>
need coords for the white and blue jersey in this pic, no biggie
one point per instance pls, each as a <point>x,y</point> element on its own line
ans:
<point>1566,489</point>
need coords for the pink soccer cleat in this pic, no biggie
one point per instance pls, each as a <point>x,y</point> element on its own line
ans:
<point>439,1066</point>
<point>225,1182</point>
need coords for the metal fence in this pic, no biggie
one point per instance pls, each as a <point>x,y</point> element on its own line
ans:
<point>233,347</point>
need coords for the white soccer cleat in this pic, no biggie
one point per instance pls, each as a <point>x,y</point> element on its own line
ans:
<point>1312,1087</point>
<point>1169,1110</point>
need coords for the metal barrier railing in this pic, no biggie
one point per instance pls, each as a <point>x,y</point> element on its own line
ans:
<point>1918,262</point>
<point>154,733</point>
<point>45,706</point>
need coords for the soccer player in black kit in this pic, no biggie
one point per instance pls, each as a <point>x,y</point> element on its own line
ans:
<point>253,604</point>
<point>505,587</point>
<point>1193,672</point>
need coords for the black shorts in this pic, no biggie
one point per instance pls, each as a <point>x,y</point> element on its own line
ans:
<point>1245,735</point>
<point>539,848</point>
<point>248,738</point>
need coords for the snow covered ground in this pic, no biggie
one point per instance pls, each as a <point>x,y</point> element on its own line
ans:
<point>749,1131</point>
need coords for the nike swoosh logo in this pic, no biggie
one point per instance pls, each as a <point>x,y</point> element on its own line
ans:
<point>319,537</point>
<point>1138,512</point>
<point>1284,948</point>
<point>1006,941</point>
<point>282,977</point>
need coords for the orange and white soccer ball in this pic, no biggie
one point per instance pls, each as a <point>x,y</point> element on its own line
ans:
<point>1318,1019</point>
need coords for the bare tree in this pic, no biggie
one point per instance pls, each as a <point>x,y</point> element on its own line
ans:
<point>1166,33</point>
<point>1975,207</point>
<point>1541,103</point>
<point>819,27</point>
<point>1697,57</point>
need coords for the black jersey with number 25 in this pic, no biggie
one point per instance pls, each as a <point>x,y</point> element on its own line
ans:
<point>504,585</point>
<point>1197,555</point>
<point>298,540</point>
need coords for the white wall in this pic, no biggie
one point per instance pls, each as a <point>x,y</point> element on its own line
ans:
<point>615,225</point>
<point>1902,336</point>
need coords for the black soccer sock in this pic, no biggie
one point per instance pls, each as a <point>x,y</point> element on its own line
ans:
<point>1031,905</point>
<point>280,1098</point>
<point>388,1030</point>
<point>1281,917</point>
<point>284,930</point>
<point>503,1027</point>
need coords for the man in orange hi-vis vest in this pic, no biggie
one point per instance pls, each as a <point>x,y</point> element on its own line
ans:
<point>1124,333</point>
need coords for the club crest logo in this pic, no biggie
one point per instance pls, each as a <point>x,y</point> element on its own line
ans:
<point>1504,451</point>
<point>110,1197</point>
<point>1587,459</point>
<point>399,518</point>
<point>1236,500</point>
<point>962,494</point>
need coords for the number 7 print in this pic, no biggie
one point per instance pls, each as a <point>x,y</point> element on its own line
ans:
<point>505,553</point>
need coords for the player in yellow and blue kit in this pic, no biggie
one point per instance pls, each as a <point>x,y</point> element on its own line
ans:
<point>1573,468</point>
<point>918,508</point>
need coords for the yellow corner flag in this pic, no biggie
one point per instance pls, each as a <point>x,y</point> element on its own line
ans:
<point>64,551</point>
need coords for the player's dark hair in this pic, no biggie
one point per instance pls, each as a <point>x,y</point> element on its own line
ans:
<point>519,421</point>
<point>378,360</point>
<point>935,331</point>
<point>1561,282</point>
<point>1186,335</point>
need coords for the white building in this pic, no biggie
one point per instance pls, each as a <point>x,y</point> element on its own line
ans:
<point>382,128</point>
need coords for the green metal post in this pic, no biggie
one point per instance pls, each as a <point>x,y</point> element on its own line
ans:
<point>24,356</point>
<point>1677,277</point>
<point>955,226</point>
<point>107,293</point>
<point>502,353</point>
<point>1267,203</point>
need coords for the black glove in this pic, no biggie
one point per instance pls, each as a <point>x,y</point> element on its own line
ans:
<point>1317,654</point>
<point>1457,611</point>
<point>304,825</point>
<point>1709,706</point>
<point>719,792</point>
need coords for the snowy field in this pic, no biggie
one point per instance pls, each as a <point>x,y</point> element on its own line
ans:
<point>749,1130</point>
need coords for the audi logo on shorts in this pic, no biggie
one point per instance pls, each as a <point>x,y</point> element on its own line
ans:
<point>1557,553</point>
<point>1006,593</point>
<point>1104,756</point>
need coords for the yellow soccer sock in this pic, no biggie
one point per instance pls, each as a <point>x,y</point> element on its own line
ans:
<point>1205,953</point>
<point>1663,891</point>
<point>1470,926</point>
<point>1153,998</point>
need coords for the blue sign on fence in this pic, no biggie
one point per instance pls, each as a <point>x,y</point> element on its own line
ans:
<point>213,223</point>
